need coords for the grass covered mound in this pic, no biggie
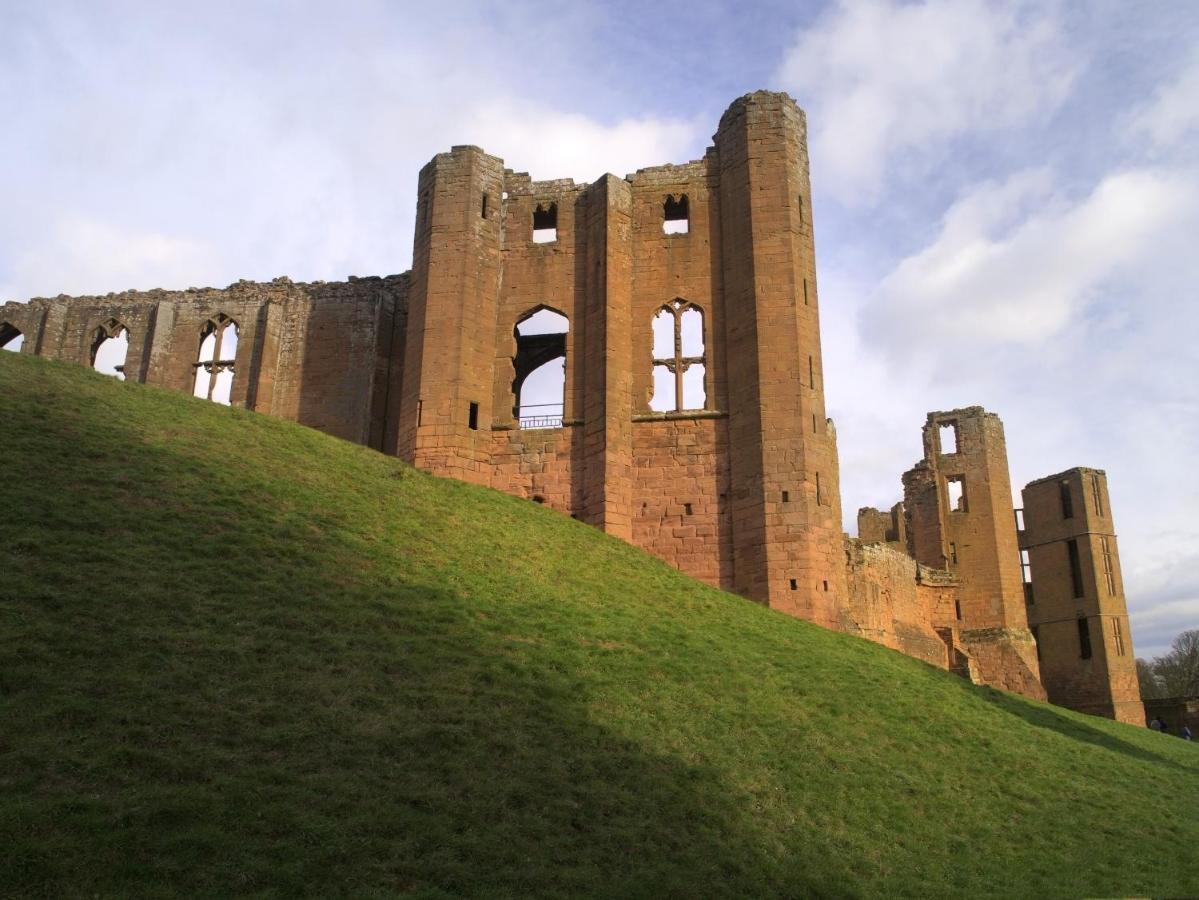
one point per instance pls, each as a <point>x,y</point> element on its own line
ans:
<point>238,656</point>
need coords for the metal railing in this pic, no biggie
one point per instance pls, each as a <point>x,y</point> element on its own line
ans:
<point>540,420</point>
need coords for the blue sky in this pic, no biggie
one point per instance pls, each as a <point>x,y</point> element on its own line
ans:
<point>1006,194</point>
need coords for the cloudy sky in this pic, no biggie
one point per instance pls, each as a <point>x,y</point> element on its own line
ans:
<point>1006,194</point>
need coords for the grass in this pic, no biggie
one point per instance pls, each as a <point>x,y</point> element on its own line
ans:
<point>240,657</point>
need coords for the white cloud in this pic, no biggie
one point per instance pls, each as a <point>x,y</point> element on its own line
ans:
<point>1173,112</point>
<point>84,256</point>
<point>1014,262</point>
<point>884,78</point>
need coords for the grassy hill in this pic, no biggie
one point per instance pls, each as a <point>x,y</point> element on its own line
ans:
<point>238,656</point>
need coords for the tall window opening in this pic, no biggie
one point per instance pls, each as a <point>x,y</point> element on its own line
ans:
<point>676,218</point>
<point>545,223</point>
<point>1109,572</point>
<point>956,488</point>
<point>540,363</point>
<point>1063,488</point>
<point>949,437</point>
<point>679,360</point>
<point>1075,567</point>
<point>214,363</point>
<point>1097,494</point>
<point>1118,636</point>
<point>1026,575</point>
<point>11,338</point>
<point>1084,638</point>
<point>110,347</point>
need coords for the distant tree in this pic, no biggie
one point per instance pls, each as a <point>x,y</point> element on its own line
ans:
<point>1151,687</point>
<point>1174,675</point>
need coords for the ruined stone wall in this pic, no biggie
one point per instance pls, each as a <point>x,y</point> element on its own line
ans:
<point>317,353</point>
<point>887,606</point>
<point>1093,672</point>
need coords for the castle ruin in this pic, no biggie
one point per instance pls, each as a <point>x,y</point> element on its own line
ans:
<point>680,306</point>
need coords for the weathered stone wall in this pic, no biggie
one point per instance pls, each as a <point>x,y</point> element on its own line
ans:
<point>739,488</point>
<point>319,353</point>
<point>1095,674</point>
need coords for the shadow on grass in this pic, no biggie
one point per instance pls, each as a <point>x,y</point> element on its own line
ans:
<point>1046,717</point>
<point>227,707</point>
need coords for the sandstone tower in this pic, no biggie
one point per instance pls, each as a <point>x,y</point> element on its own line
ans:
<point>670,322</point>
<point>1076,596</point>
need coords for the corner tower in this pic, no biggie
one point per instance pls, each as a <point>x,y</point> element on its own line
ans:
<point>1076,602</point>
<point>959,500</point>
<point>449,354</point>
<point>786,507</point>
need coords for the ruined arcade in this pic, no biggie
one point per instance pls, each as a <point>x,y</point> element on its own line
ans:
<point>680,305</point>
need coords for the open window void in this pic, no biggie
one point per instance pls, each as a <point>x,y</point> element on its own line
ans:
<point>545,223</point>
<point>540,364</point>
<point>680,365</point>
<point>11,338</point>
<point>215,361</point>
<point>676,218</point>
<point>955,487</point>
<point>948,432</point>
<point>110,347</point>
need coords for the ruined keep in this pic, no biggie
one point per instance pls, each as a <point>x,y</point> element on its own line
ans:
<point>681,306</point>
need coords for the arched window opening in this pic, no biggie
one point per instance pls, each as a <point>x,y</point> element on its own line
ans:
<point>545,223</point>
<point>540,364</point>
<point>680,367</point>
<point>110,347</point>
<point>676,217</point>
<point>214,363</point>
<point>11,338</point>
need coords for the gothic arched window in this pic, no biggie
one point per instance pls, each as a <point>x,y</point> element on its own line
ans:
<point>110,346</point>
<point>540,366</point>
<point>214,363</point>
<point>679,362</point>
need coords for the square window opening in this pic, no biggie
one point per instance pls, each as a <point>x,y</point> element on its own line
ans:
<point>948,436</point>
<point>545,223</point>
<point>676,218</point>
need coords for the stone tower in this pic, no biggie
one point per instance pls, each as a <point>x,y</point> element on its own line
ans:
<point>961,518</point>
<point>446,400</point>
<point>786,504</point>
<point>1076,602</point>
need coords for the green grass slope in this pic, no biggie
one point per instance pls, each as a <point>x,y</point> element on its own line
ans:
<point>240,657</point>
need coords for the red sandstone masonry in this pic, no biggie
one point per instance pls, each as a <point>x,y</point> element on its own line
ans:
<point>742,493</point>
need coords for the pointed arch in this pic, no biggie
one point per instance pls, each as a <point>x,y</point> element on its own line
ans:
<point>539,385</point>
<point>215,360</point>
<point>680,358</point>
<point>109,349</point>
<point>11,337</point>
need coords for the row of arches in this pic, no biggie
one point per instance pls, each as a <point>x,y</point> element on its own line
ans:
<point>539,385</point>
<point>109,348</point>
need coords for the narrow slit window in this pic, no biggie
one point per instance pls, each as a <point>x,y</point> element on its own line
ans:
<point>110,347</point>
<point>805,292</point>
<point>1067,501</point>
<point>1075,567</point>
<point>11,338</point>
<point>1019,519</point>
<point>826,586</point>
<point>686,509</point>
<point>794,584</point>
<point>1097,494</point>
<point>949,437</point>
<point>1109,572</point>
<point>956,488</point>
<point>545,223</point>
<point>953,552</point>
<point>483,208</point>
<point>1026,577</point>
<point>786,497</point>
<point>215,361</point>
<point>679,362</point>
<point>799,202</point>
<point>1084,638</point>
<point>473,417</point>
<point>1118,636</point>
<point>676,216</point>
<point>957,609</point>
<point>539,387</point>
<point>811,373</point>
